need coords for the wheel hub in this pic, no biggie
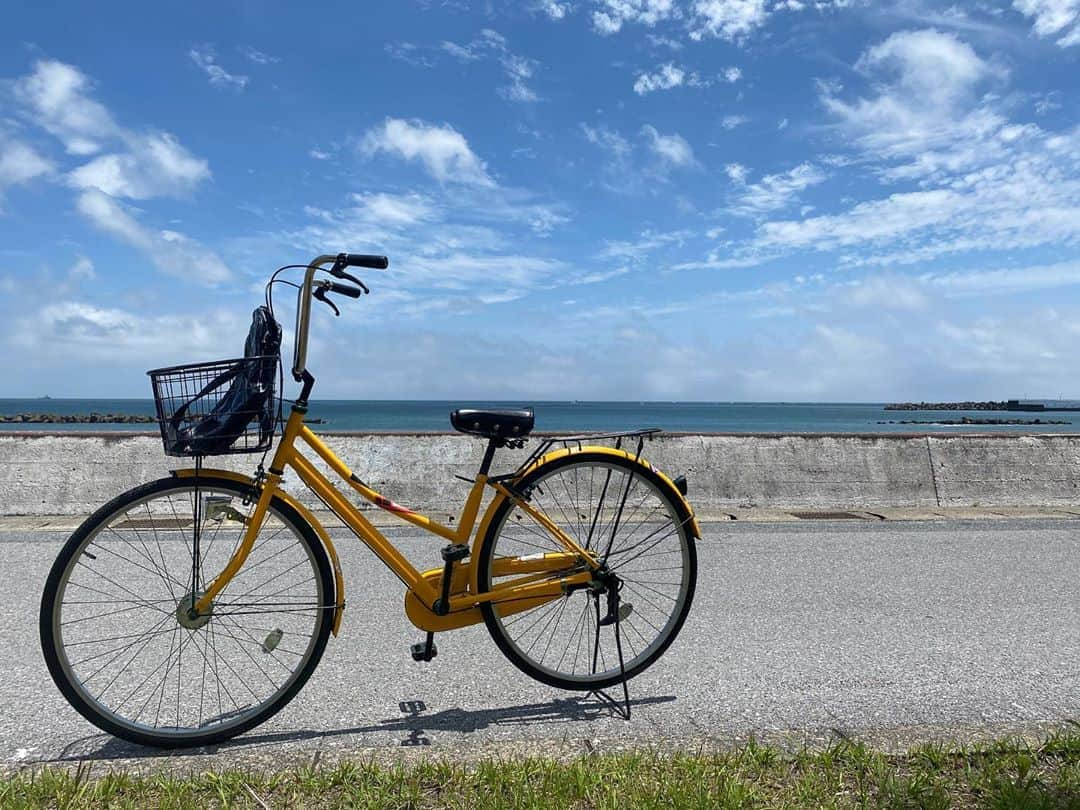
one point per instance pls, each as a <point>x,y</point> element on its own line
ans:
<point>186,614</point>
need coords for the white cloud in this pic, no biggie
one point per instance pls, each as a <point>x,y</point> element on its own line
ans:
<point>727,19</point>
<point>625,171</point>
<point>455,247</point>
<point>640,250</point>
<point>82,322</point>
<point>733,121</point>
<point>1002,208</point>
<point>938,68</point>
<point>1053,18</point>
<point>664,42</point>
<point>885,293</point>
<point>20,163</point>
<point>1048,103</point>
<point>55,94</point>
<point>984,183</point>
<point>172,252</point>
<point>258,57</point>
<point>82,270</point>
<point>867,222</point>
<point>611,15</point>
<point>672,150</point>
<point>409,53</point>
<point>774,191</point>
<point>926,84</point>
<point>152,164</point>
<point>512,272</point>
<point>664,78</point>
<point>395,210</point>
<point>736,172</point>
<point>155,165</point>
<point>206,60</point>
<point>732,74</point>
<point>609,140</point>
<point>544,221</point>
<point>1005,281</point>
<point>519,70</point>
<point>100,335</point>
<point>553,9</point>
<point>463,53</point>
<point>442,150</point>
<point>490,43</point>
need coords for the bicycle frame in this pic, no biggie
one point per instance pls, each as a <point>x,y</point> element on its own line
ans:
<point>537,584</point>
<point>543,577</point>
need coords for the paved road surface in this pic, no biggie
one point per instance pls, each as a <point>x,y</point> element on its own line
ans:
<point>858,627</point>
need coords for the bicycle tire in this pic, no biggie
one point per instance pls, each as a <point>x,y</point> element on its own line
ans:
<point>679,519</point>
<point>222,623</point>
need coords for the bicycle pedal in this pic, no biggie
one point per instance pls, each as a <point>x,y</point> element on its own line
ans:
<point>422,652</point>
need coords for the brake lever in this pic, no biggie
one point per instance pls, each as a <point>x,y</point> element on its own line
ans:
<point>321,295</point>
<point>339,273</point>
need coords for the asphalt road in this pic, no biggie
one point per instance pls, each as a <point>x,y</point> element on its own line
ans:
<point>824,627</point>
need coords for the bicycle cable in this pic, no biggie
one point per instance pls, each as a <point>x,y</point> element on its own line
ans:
<point>268,296</point>
<point>275,280</point>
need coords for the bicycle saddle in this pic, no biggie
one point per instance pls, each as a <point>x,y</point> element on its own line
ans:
<point>493,424</point>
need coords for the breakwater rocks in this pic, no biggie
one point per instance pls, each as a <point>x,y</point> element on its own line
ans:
<point>77,418</point>
<point>967,420</point>
<point>948,406</point>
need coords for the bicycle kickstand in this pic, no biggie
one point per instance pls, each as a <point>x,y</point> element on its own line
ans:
<point>616,613</point>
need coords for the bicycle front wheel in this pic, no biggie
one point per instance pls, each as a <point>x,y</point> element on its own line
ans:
<point>122,646</point>
<point>623,512</point>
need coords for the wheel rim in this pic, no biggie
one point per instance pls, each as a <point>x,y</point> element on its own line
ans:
<point>649,553</point>
<point>126,645</point>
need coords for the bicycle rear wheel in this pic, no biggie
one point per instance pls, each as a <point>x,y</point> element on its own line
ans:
<point>115,628</point>
<point>627,515</point>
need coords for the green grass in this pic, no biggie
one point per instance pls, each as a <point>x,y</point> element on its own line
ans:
<point>1003,774</point>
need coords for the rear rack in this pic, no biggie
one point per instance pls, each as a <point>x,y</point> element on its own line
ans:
<point>547,442</point>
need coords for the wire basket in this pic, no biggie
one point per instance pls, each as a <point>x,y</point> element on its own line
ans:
<point>219,408</point>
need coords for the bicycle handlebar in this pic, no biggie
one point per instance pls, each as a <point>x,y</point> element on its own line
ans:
<point>345,289</point>
<point>303,307</point>
<point>364,260</point>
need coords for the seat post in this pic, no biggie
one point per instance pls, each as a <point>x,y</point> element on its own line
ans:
<point>489,454</point>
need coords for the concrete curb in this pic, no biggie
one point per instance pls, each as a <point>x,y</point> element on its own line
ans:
<point>68,523</point>
<point>74,473</point>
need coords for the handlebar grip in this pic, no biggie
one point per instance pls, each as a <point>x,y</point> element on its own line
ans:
<point>364,260</point>
<point>345,289</point>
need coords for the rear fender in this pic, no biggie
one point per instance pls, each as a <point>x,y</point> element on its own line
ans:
<point>305,513</point>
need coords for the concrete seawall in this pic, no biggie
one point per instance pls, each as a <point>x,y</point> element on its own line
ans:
<point>74,473</point>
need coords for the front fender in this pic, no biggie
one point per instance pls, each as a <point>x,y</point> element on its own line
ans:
<point>305,513</point>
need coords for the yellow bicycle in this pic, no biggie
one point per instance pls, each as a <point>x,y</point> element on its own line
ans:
<point>192,608</point>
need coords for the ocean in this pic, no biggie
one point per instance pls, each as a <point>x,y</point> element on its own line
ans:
<point>693,417</point>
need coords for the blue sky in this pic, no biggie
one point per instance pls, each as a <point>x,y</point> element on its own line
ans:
<point>581,199</point>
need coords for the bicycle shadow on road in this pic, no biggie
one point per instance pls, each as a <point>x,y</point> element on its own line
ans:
<point>415,725</point>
